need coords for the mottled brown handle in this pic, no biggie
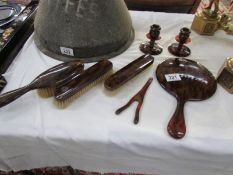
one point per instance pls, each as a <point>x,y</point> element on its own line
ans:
<point>136,118</point>
<point>121,109</point>
<point>128,72</point>
<point>139,97</point>
<point>176,126</point>
<point>10,96</point>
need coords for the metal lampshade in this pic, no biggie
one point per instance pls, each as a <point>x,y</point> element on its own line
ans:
<point>87,30</point>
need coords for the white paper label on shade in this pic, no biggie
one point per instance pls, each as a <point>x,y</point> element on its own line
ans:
<point>67,51</point>
<point>172,77</point>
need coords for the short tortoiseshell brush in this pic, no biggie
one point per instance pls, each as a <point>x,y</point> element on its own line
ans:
<point>57,76</point>
<point>128,72</point>
<point>64,95</point>
<point>54,76</point>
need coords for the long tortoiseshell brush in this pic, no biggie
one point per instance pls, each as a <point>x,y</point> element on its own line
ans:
<point>64,95</point>
<point>54,76</point>
<point>128,72</point>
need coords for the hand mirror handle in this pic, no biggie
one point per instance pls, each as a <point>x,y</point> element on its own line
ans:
<point>176,126</point>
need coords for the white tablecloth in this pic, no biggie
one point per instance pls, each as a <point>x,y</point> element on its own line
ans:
<point>89,136</point>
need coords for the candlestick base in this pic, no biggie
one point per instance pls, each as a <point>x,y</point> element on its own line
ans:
<point>154,49</point>
<point>183,52</point>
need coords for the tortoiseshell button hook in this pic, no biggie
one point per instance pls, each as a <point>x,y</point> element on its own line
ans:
<point>138,98</point>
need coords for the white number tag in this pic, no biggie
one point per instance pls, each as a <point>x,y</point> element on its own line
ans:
<point>172,77</point>
<point>67,51</point>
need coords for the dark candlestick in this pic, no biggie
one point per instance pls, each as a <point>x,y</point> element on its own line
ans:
<point>179,49</point>
<point>151,47</point>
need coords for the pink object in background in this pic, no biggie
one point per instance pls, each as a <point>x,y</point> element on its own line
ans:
<point>23,2</point>
<point>224,5</point>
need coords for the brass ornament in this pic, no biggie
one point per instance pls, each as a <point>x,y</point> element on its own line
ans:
<point>225,23</point>
<point>206,21</point>
<point>225,77</point>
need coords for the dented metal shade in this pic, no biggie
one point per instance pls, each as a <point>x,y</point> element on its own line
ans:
<point>87,30</point>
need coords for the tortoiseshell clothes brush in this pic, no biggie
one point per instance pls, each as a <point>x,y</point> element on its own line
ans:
<point>57,76</point>
<point>128,72</point>
<point>64,95</point>
<point>46,81</point>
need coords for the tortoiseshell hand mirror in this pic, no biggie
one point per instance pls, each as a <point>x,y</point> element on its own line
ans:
<point>186,80</point>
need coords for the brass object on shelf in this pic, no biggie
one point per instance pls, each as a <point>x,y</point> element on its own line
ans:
<point>225,77</point>
<point>206,21</point>
<point>225,23</point>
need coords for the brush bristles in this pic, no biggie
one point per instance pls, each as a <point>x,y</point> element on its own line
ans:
<point>61,104</point>
<point>45,92</point>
